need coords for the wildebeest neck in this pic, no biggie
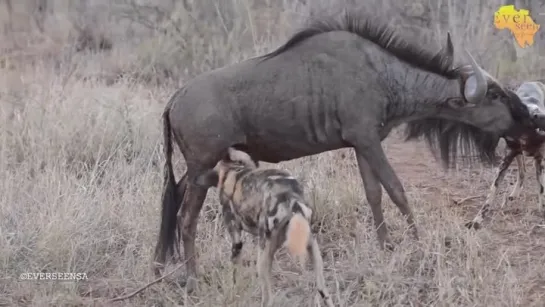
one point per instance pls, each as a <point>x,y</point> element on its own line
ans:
<point>415,95</point>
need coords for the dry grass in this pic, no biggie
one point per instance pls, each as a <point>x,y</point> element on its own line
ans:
<point>80,169</point>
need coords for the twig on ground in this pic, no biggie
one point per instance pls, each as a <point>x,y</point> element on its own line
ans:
<point>463,200</point>
<point>124,297</point>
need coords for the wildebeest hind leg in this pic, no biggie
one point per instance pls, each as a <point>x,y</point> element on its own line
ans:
<point>191,207</point>
<point>373,192</point>
<point>500,174</point>
<point>376,159</point>
<point>181,187</point>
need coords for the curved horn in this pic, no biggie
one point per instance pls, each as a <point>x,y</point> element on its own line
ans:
<point>449,48</point>
<point>476,86</point>
<point>238,155</point>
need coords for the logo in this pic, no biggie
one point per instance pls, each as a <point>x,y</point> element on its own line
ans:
<point>519,22</point>
<point>53,276</point>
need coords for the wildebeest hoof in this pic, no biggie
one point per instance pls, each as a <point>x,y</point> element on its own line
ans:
<point>473,225</point>
<point>189,283</point>
<point>157,269</point>
<point>389,246</point>
<point>249,263</point>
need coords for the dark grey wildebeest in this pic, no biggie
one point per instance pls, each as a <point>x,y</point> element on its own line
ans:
<point>269,204</point>
<point>341,82</point>
<point>529,142</point>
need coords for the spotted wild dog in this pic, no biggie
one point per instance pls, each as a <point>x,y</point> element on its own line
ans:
<point>527,142</point>
<point>269,204</point>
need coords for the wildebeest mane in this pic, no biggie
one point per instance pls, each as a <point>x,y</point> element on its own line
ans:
<point>455,142</point>
<point>378,32</point>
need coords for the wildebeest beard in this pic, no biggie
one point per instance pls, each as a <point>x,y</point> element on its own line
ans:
<point>457,142</point>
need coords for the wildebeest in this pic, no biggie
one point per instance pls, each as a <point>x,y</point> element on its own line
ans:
<point>340,82</point>
<point>269,204</point>
<point>527,142</point>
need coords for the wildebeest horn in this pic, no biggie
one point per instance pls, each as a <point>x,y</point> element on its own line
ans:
<point>449,48</point>
<point>238,155</point>
<point>476,86</point>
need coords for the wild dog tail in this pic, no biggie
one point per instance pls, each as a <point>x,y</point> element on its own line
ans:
<point>297,236</point>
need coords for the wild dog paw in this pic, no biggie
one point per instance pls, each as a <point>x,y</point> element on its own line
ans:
<point>473,225</point>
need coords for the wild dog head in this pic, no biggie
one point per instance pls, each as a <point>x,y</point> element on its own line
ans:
<point>226,173</point>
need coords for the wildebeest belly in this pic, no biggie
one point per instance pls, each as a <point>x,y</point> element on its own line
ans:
<point>289,129</point>
<point>288,147</point>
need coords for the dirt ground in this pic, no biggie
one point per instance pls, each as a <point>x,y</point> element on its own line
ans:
<point>515,231</point>
<point>81,171</point>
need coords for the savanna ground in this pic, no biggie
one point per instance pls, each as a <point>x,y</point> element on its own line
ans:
<point>82,87</point>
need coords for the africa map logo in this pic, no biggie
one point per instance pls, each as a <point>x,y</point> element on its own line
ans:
<point>518,22</point>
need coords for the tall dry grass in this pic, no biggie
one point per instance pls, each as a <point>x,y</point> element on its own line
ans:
<point>82,87</point>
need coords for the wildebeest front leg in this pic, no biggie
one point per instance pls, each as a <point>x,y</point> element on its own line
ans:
<point>540,174</point>
<point>373,192</point>
<point>500,174</point>
<point>520,178</point>
<point>318,264</point>
<point>189,214</point>
<point>376,159</point>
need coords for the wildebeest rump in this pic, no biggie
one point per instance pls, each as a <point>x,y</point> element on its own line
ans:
<point>345,81</point>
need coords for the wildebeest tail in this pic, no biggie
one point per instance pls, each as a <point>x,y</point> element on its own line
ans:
<point>171,201</point>
<point>297,236</point>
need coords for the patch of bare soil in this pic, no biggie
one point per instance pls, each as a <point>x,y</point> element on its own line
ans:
<point>515,230</point>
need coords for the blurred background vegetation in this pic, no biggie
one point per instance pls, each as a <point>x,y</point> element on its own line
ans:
<point>161,41</point>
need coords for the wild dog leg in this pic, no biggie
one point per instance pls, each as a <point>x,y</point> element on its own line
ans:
<point>318,264</point>
<point>540,174</point>
<point>520,178</point>
<point>500,174</point>
<point>264,266</point>
<point>235,231</point>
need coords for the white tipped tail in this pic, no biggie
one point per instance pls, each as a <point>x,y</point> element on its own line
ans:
<point>297,237</point>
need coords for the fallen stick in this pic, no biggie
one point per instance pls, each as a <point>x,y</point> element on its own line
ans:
<point>463,200</point>
<point>124,297</point>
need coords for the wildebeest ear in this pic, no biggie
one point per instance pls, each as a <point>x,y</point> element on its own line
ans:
<point>457,103</point>
<point>208,179</point>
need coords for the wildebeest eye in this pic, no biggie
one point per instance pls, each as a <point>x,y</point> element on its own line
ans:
<point>494,95</point>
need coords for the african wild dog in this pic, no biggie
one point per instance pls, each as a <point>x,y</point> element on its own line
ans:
<point>528,142</point>
<point>269,204</point>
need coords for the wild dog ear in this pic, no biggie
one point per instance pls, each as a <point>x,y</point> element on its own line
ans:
<point>241,156</point>
<point>208,179</point>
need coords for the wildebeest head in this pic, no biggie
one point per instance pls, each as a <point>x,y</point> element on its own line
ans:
<point>484,111</point>
<point>224,174</point>
<point>486,103</point>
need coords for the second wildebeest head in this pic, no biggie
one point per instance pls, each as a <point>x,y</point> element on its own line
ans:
<point>532,94</point>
